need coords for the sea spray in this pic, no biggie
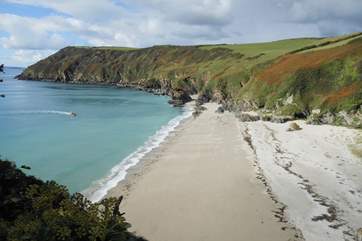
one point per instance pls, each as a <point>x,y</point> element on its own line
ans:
<point>100,188</point>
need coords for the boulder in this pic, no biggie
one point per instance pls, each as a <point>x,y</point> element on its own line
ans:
<point>202,98</point>
<point>179,97</point>
<point>281,119</point>
<point>248,116</point>
<point>294,127</point>
<point>220,110</point>
<point>327,118</point>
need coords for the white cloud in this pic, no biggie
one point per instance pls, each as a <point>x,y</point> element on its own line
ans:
<point>309,10</point>
<point>332,17</point>
<point>31,33</point>
<point>191,12</point>
<point>143,23</point>
<point>25,57</point>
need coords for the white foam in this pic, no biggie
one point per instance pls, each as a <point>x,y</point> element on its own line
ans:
<point>29,112</point>
<point>100,188</point>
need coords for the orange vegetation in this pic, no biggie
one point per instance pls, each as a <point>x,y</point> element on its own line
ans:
<point>342,93</point>
<point>289,64</point>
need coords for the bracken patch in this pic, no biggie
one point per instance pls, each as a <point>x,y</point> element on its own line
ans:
<point>342,93</point>
<point>289,64</point>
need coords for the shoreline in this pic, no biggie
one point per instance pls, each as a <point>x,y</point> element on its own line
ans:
<point>154,198</point>
<point>135,172</point>
<point>99,189</point>
<point>115,85</point>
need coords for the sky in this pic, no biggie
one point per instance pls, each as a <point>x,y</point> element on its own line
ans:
<point>33,29</point>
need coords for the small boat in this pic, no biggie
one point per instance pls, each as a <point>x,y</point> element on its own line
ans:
<point>73,114</point>
<point>1,68</point>
<point>2,95</point>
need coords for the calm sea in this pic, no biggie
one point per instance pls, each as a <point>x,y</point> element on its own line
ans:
<point>91,152</point>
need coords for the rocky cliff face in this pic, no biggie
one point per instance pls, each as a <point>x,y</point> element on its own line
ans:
<point>289,77</point>
<point>158,69</point>
<point>150,68</point>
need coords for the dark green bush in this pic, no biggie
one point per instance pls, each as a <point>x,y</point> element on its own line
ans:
<point>31,210</point>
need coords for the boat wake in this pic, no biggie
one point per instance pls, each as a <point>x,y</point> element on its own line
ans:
<point>35,112</point>
<point>100,188</point>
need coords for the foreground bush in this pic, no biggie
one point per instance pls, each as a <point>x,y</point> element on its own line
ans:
<point>31,209</point>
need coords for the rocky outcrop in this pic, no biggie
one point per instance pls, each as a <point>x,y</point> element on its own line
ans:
<point>179,97</point>
<point>343,118</point>
<point>256,116</point>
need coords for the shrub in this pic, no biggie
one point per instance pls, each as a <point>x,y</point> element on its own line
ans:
<point>31,209</point>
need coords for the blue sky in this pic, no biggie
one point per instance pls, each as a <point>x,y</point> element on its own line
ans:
<point>33,29</point>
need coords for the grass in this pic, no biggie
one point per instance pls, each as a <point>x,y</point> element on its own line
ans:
<point>107,48</point>
<point>327,79</point>
<point>261,52</point>
<point>116,48</point>
<point>336,42</point>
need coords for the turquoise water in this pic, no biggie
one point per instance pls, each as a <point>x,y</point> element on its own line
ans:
<point>36,128</point>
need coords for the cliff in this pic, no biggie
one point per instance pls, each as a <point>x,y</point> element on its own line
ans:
<point>297,77</point>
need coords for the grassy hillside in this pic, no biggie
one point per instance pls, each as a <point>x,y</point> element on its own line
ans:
<point>290,76</point>
<point>329,79</point>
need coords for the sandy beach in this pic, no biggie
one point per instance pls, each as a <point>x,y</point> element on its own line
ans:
<point>201,184</point>
<point>315,172</point>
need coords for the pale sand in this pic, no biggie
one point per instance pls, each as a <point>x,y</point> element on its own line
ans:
<point>314,172</point>
<point>201,185</point>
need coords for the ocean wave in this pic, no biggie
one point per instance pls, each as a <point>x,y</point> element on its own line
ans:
<point>100,188</point>
<point>34,112</point>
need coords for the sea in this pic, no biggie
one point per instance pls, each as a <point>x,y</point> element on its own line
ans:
<point>85,137</point>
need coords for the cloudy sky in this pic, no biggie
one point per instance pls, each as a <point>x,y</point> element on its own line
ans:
<point>33,29</point>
